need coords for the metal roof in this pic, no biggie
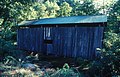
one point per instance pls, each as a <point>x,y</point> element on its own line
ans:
<point>67,20</point>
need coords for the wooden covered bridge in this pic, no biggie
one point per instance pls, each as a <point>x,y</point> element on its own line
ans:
<point>75,36</point>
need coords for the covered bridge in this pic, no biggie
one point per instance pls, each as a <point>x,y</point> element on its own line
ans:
<point>75,36</point>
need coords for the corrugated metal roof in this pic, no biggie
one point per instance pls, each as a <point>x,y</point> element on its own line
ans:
<point>67,20</point>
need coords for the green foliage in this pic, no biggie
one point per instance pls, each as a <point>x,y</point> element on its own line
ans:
<point>6,47</point>
<point>115,11</point>
<point>40,9</point>
<point>52,8</point>
<point>84,8</point>
<point>65,9</point>
<point>112,41</point>
<point>66,71</point>
<point>66,66</point>
<point>106,66</point>
<point>111,52</point>
<point>13,61</point>
<point>9,60</point>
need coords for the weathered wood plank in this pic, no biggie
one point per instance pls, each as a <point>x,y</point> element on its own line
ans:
<point>68,42</point>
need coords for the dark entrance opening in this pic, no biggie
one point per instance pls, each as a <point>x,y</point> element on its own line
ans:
<point>48,41</point>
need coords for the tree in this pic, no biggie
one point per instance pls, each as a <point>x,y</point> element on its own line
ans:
<point>7,5</point>
<point>11,10</point>
<point>84,7</point>
<point>40,8</point>
<point>52,8</point>
<point>65,9</point>
<point>112,32</point>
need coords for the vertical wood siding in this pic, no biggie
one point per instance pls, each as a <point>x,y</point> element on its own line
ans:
<point>67,41</point>
<point>30,39</point>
